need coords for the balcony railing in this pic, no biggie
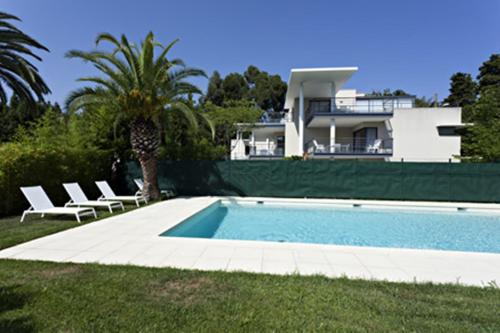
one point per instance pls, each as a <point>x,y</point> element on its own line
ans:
<point>350,146</point>
<point>273,118</point>
<point>382,104</point>
<point>265,149</point>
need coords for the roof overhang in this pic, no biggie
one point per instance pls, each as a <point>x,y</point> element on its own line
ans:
<point>317,82</point>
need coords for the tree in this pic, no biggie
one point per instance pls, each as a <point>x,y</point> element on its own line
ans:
<point>481,140</point>
<point>140,88</point>
<point>20,113</point>
<point>463,90</point>
<point>225,119</point>
<point>235,87</point>
<point>215,92</point>
<point>16,71</point>
<point>489,73</point>
<point>266,91</point>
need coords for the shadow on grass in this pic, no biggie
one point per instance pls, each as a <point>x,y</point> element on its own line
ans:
<point>11,299</point>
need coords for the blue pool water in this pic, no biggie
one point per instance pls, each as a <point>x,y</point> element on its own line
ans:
<point>461,231</point>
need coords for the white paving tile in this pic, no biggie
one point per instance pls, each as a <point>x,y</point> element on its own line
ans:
<point>247,265</point>
<point>248,253</point>
<point>306,268</point>
<point>279,267</point>
<point>211,264</point>
<point>133,238</point>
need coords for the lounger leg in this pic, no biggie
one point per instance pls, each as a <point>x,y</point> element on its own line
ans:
<point>121,204</point>
<point>95,214</point>
<point>137,202</point>
<point>24,215</point>
<point>110,209</point>
<point>77,217</point>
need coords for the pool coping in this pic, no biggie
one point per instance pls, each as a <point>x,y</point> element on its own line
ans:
<point>133,238</point>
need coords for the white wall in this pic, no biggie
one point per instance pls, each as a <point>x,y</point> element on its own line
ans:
<point>416,136</point>
<point>291,139</point>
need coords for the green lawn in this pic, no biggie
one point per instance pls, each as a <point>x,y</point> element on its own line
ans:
<point>13,232</point>
<point>52,297</point>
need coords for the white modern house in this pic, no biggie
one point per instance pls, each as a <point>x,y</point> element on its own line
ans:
<point>321,120</point>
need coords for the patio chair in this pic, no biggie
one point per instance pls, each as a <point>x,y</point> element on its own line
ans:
<point>319,148</point>
<point>375,147</point>
<point>41,204</point>
<point>109,195</point>
<point>79,199</point>
<point>140,184</point>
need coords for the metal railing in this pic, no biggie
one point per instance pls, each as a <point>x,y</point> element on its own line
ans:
<point>363,106</point>
<point>275,117</point>
<point>350,146</point>
<point>269,149</point>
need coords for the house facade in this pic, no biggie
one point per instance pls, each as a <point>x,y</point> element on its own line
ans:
<point>322,120</point>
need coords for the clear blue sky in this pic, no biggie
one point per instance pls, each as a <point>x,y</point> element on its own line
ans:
<point>414,45</point>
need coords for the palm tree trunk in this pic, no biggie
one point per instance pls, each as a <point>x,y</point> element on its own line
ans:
<point>149,168</point>
<point>145,140</point>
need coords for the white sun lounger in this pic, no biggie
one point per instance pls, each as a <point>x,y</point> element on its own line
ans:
<point>41,204</point>
<point>79,199</point>
<point>140,184</point>
<point>108,194</point>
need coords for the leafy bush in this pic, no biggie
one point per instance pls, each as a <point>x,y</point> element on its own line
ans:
<point>25,165</point>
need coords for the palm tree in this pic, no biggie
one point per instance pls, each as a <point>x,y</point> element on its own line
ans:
<point>140,88</point>
<point>16,72</point>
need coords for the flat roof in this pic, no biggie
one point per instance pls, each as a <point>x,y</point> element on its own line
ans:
<point>316,81</point>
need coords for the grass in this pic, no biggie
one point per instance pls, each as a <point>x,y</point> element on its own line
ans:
<point>13,232</point>
<point>51,297</point>
<point>43,296</point>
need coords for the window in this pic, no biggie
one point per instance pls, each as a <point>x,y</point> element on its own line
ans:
<point>319,106</point>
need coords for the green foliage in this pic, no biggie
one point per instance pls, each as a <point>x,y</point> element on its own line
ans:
<point>420,102</point>
<point>266,91</point>
<point>225,119</point>
<point>463,93</point>
<point>215,92</point>
<point>16,71</point>
<point>481,140</point>
<point>235,87</point>
<point>185,142</point>
<point>20,114</point>
<point>135,83</point>
<point>463,90</point>
<point>49,166</point>
<point>489,73</point>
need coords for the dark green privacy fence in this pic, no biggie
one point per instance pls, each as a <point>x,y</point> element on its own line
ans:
<point>331,179</point>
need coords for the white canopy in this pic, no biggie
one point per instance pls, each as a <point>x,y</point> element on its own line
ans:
<point>317,82</point>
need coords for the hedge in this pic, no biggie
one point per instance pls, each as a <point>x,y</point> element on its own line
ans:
<point>48,167</point>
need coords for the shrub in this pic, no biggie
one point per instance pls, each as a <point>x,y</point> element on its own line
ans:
<point>22,165</point>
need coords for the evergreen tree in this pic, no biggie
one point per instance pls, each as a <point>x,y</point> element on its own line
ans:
<point>489,73</point>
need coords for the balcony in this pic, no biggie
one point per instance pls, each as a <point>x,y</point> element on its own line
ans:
<point>350,146</point>
<point>265,150</point>
<point>274,117</point>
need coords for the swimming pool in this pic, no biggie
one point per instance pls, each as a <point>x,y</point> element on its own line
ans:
<point>417,229</point>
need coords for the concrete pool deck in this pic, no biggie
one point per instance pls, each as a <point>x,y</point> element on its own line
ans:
<point>133,238</point>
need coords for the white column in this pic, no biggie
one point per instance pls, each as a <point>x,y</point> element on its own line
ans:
<point>333,104</point>
<point>332,136</point>
<point>301,119</point>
